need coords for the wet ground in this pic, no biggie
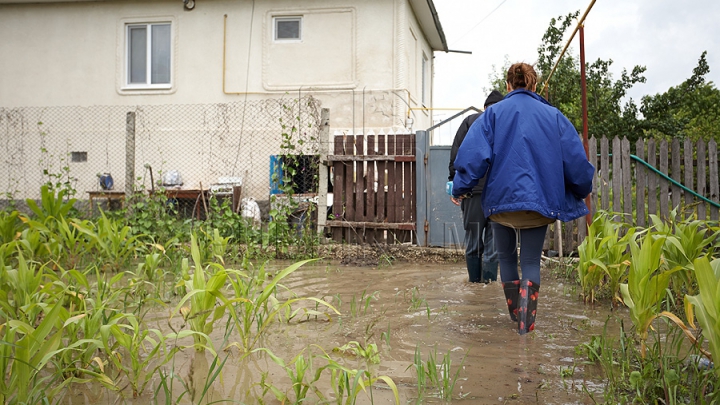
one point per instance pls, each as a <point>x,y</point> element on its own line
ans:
<point>430,306</point>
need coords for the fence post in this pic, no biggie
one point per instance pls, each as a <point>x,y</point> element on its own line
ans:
<point>323,170</point>
<point>129,156</point>
<point>421,150</point>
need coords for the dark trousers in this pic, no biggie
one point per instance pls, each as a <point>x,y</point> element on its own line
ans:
<point>531,243</point>
<point>478,232</point>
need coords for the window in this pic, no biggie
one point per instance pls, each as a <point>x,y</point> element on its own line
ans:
<point>288,28</point>
<point>425,75</point>
<point>78,156</point>
<point>149,55</point>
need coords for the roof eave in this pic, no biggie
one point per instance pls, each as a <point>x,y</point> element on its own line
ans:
<point>429,21</point>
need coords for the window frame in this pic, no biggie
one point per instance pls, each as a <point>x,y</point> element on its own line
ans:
<point>148,25</point>
<point>277,19</point>
<point>424,78</point>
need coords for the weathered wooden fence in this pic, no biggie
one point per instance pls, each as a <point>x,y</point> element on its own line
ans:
<point>373,188</point>
<point>647,183</point>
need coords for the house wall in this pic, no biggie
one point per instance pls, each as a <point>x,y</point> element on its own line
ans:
<point>362,60</point>
<point>73,53</point>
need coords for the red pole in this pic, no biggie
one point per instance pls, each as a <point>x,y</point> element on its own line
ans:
<point>583,95</point>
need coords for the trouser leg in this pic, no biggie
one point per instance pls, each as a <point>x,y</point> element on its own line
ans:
<point>506,248</point>
<point>473,222</point>
<point>490,261</point>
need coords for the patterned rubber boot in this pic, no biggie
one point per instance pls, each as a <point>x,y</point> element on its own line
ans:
<point>527,307</point>
<point>512,292</point>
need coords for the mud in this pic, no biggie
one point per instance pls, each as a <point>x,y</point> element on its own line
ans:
<point>427,304</point>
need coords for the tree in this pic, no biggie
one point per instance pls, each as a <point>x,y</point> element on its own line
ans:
<point>691,109</point>
<point>607,116</point>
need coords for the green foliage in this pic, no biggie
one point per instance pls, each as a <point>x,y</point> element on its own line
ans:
<point>114,242</point>
<point>647,281</point>
<point>203,292</point>
<point>707,304</point>
<point>434,374</point>
<point>691,109</point>
<point>604,256</point>
<point>369,353</point>
<point>52,205</point>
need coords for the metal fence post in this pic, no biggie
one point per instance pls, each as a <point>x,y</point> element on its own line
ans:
<point>323,169</point>
<point>129,155</point>
<point>421,150</point>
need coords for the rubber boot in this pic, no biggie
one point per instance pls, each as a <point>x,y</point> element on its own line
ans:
<point>490,270</point>
<point>512,292</point>
<point>527,307</point>
<point>474,266</point>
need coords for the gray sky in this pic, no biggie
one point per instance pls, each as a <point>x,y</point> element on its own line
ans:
<point>666,36</point>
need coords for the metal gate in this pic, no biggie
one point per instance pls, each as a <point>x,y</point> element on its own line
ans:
<point>439,221</point>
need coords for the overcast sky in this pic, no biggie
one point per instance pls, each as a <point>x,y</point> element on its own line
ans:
<point>666,36</point>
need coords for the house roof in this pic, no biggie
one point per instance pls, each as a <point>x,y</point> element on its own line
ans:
<point>430,23</point>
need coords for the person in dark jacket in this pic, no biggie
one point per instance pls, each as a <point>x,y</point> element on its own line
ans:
<point>480,256</point>
<point>536,172</point>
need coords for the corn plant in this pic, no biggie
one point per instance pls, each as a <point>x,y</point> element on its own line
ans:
<point>302,374</point>
<point>115,243</point>
<point>146,350</point>
<point>647,281</point>
<point>203,292</point>
<point>22,290</point>
<point>706,304</point>
<point>255,305</point>
<point>603,252</point>
<point>369,353</point>
<point>10,226</point>
<point>691,240</point>
<point>438,375</point>
<point>24,352</point>
<point>51,205</point>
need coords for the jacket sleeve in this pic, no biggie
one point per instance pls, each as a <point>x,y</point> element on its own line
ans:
<point>578,172</point>
<point>473,156</point>
<point>459,137</point>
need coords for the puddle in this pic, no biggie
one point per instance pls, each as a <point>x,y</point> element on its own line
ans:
<point>425,305</point>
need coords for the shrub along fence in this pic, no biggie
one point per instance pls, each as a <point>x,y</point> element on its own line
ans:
<point>660,176</point>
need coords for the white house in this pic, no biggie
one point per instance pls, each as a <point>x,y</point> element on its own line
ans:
<point>70,71</point>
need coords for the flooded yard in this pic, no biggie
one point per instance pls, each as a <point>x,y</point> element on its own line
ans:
<point>428,307</point>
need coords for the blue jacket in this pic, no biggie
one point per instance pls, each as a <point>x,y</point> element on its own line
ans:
<point>532,156</point>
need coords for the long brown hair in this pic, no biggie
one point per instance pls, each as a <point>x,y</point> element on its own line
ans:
<point>521,75</point>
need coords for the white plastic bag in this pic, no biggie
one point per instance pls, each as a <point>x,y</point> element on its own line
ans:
<point>250,210</point>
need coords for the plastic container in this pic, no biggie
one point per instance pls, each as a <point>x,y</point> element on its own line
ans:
<point>448,188</point>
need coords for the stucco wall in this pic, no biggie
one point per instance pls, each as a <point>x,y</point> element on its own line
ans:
<point>61,54</point>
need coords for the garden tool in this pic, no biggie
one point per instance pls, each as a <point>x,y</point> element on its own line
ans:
<point>512,291</point>
<point>527,306</point>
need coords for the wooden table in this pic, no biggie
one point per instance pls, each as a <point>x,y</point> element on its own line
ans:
<point>189,194</point>
<point>105,194</point>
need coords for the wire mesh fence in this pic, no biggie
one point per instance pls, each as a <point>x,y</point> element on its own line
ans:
<point>202,147</point>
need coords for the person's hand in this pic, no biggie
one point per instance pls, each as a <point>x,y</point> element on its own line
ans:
<point>455,201</point>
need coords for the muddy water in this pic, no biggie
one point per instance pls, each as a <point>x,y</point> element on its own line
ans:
<point>427,305</point>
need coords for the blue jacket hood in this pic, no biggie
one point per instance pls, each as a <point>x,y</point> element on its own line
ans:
<point>531,156</point>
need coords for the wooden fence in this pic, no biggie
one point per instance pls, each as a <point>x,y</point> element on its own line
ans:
<point>373,189</point>
<point>638,185</point>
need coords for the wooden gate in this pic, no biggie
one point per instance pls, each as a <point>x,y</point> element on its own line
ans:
<point>373,189</point>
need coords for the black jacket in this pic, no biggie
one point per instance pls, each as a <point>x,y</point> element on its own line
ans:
<point>459,137</point>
